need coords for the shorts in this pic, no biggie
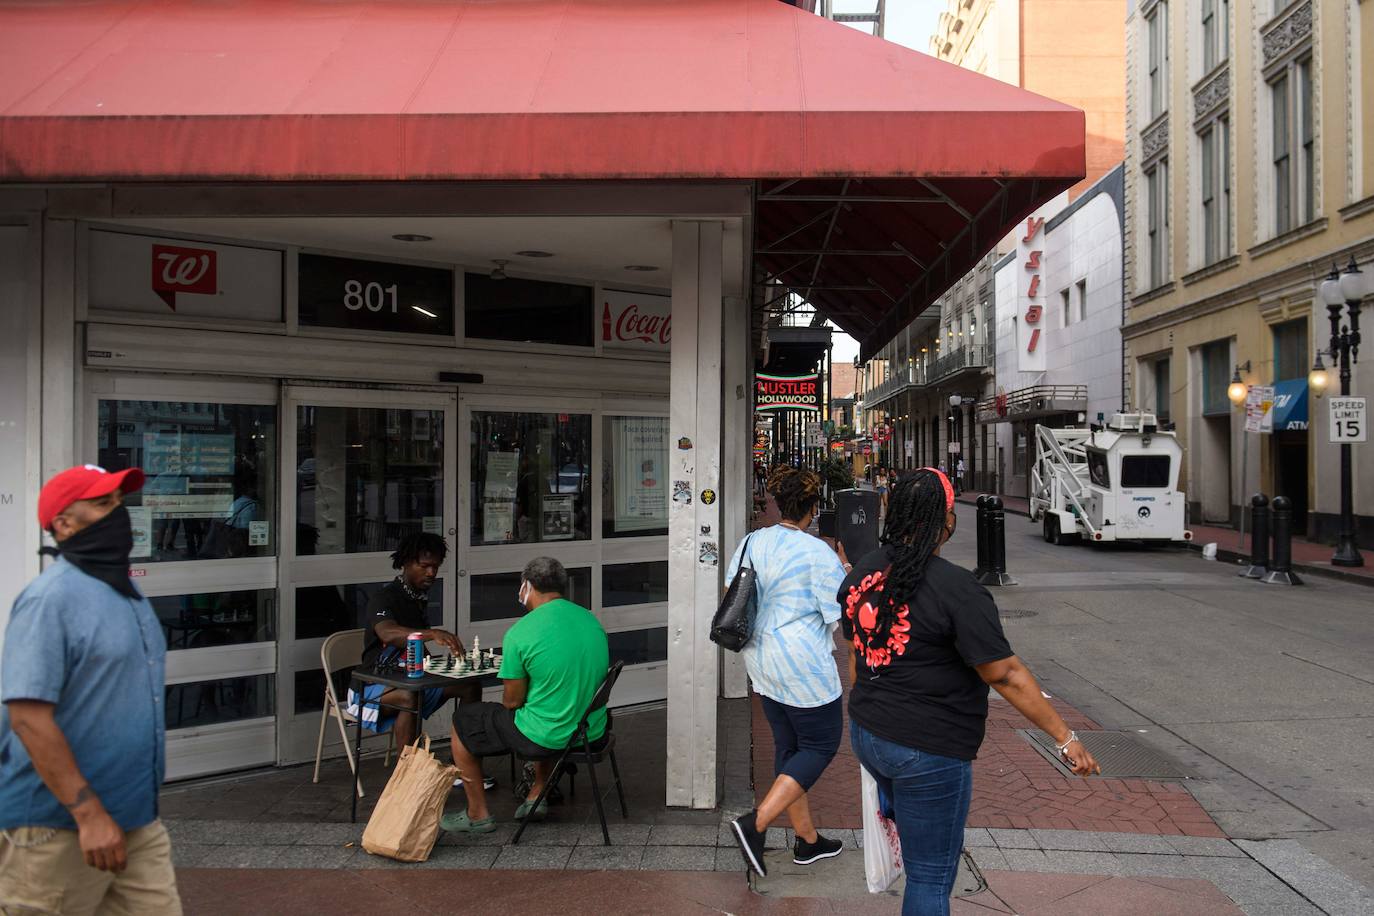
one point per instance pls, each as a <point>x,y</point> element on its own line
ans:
<point>381,721</point>
<point>42,871</point>
<point>488,730</point>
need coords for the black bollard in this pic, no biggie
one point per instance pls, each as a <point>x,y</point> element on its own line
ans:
<point>980,522</point>
<point>1259,537</point>
<point>1281,563</point>
<point>996,571</point>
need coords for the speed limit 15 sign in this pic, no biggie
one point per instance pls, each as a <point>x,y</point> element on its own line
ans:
<point>1349,423</point>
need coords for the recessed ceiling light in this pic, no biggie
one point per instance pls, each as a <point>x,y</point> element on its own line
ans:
<point>412,237</point>
<point>642,268</point>
<point>535,253</point>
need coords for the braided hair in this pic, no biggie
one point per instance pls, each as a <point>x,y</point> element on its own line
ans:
<point>415,544</point>
<point>795,490</point>
<point>916,508</point>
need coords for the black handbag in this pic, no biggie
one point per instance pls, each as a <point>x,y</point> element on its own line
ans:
<point>734,621</point>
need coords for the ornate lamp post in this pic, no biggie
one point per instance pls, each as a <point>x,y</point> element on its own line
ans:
<point>1339,288</point>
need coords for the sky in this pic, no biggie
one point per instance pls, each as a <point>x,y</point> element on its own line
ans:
<point>909,23</point>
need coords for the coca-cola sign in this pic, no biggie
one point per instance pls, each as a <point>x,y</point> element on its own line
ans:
<point>635,321</point>
<point>183,270</point>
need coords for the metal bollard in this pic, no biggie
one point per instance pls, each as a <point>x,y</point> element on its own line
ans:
<point>1259,538</point>
<point>1281,564</point>
<point>996,571</point>
<point>981,527</point>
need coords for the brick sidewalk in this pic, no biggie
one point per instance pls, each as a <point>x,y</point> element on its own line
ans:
<point>1013,785</point>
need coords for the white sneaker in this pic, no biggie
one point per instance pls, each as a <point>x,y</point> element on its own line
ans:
<point>488,783</point>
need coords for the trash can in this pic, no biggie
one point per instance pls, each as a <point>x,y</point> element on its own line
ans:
<point>856,521</point>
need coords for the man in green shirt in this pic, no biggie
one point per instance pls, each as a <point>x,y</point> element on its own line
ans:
<point>552,662</point>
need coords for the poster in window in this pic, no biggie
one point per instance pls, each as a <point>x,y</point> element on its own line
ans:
<point>498,521</point>
<point>557,518</point>
<point>503,470</point>
<point>641,450</point>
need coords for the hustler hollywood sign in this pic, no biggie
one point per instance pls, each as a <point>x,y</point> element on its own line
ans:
<point>787,392</point>
<point>1030,337</point>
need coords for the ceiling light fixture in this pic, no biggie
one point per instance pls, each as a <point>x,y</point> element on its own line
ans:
<point>535,253</point>
<point>641,268</point>
<point>499,272</point>
<point>412,237</point>
<point>426,312</point>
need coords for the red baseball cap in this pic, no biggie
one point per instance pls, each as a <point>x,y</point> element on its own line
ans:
<point>85,481</point>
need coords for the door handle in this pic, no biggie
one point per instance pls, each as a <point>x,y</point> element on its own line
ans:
<point>462,573</point>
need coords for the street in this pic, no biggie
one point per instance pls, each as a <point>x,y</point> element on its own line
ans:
<point>1264,691</point>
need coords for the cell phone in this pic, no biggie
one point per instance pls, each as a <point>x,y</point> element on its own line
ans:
<point>826,523</point>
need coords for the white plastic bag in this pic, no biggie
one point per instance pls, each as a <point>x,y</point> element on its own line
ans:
<point>882,847</point>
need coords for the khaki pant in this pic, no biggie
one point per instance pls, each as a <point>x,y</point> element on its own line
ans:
<point>50,876</point>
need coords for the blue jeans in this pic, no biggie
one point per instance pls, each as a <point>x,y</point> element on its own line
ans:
<point>929,796</point>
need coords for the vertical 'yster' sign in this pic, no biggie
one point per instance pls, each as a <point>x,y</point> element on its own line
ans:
<point>1030,323</point>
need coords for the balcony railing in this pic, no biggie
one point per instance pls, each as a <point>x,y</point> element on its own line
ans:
<point>897,382</point>
<point>1032,403</point>
<point>972,357</point>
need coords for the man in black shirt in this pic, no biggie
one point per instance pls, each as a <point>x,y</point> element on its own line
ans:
<point>398,610</point>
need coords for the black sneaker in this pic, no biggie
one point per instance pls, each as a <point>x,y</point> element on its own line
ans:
<point>750,842</point>
<point>804,853</point>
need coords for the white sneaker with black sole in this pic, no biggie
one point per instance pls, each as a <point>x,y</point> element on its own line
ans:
<point>488,783</point>
<point>804,853</point>
<point>750,841</point>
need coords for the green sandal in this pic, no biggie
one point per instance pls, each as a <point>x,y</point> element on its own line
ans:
<point>461,823</point>
<point>540,813</point>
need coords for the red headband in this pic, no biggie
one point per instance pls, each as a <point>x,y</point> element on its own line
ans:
<point>949,488</point>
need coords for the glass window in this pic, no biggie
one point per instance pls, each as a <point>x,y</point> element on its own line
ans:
<point>211,488</point>
<point>310,689</point>
<point>1283,189</point>
<point>1018,454</point>
<point>325,609</point>
<point>1082,300</point>
<point>374,295</point>
<point>366,477</point>
<point>528,311</point>
<point>1144,471</point>
<point>1210,215</point>
<point>1224,168</point>
<point>217,618</point>
<point>1291,359</point>
<point>531,477</point>
<point>230,699</point>
<point>1209,35</point>
<point>494,595</point>
<point>1157,27</point>
<point>634,583</point>
<point>1163,390</point>
<point>1157,225</point>
<point>1066,306</point>
<point>1098,471</point>
<point>634,485</point>
<point>639,647</point>
<point>1306,142</point>
<point>1216,376</point>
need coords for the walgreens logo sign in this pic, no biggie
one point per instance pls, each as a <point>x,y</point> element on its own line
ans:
<point>183,270</point>
<point>636,321</point>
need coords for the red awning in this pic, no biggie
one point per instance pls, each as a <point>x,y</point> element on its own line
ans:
<point>553,89</point>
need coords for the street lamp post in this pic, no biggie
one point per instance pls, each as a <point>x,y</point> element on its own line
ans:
<point>1339,288</point>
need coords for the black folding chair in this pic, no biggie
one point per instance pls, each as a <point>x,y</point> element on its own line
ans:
<point>580,750</point>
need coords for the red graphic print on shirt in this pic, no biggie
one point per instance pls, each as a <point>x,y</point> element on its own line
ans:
<point>863,615</point>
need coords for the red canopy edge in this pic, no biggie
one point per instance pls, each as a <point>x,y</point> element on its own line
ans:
<point>638,145</point>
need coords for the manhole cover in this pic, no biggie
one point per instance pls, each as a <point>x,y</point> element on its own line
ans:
<point>1120,754</point>
<point>1015,613</point>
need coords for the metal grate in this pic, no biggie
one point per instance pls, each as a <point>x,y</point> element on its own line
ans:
<point>1015,613</point>
<point>1120,754</point>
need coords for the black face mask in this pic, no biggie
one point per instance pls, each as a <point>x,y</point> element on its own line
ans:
<point>102,551</point>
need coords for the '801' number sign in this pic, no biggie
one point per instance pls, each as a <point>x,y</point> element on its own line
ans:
<point>374,295</point>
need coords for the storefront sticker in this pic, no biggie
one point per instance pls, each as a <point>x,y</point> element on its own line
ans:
<point>684,444</point>
<point>432,524</point>
<point>502,471</point>
<point>636,321</point>
<point>708,497</point>
<point>498,521</point>
<point>141,518</point>
<point>682,492</point>
<point>259,534</point>
<point>706,531</point>
<point>708,554</point>
<point>557,512</point>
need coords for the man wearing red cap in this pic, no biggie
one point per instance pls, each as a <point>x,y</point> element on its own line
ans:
<point>82,750</point>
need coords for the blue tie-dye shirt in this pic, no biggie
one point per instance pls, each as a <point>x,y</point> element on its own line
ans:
<point>790,657</point>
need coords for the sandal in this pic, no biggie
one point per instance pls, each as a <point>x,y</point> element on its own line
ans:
<point>461,823</point>
<point>539,814</point>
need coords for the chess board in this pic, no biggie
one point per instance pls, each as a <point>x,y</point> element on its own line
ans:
<point>459,666</point>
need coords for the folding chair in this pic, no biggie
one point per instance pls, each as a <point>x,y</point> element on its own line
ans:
<point>342,650</point>
<point>581,750</point>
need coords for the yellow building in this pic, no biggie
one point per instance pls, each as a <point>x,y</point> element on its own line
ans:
<point>1248,174</point>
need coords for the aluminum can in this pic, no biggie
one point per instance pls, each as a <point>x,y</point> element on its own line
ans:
<point>415,655</point>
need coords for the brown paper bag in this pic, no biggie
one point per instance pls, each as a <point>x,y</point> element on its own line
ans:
<point>405,823</point>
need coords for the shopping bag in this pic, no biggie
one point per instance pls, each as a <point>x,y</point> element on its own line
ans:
<point>405,823</point>
<point>882,847</point>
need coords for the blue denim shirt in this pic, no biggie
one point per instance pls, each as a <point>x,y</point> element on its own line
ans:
<point>99,657</point>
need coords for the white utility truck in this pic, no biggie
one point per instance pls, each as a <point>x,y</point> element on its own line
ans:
<point>1112,483</point>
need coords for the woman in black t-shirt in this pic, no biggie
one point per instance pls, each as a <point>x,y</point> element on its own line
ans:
<point>927,644</point>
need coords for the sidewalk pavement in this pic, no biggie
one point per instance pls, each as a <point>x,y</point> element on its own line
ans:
<point>1308,556</point>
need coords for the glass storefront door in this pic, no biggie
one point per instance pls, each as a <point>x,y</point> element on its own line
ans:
<point>360,470</point>
<point>205,553</point>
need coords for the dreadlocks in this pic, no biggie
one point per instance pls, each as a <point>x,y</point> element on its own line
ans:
<point>415,544</point>
<point>796,491</point>
<point>916,510</point>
